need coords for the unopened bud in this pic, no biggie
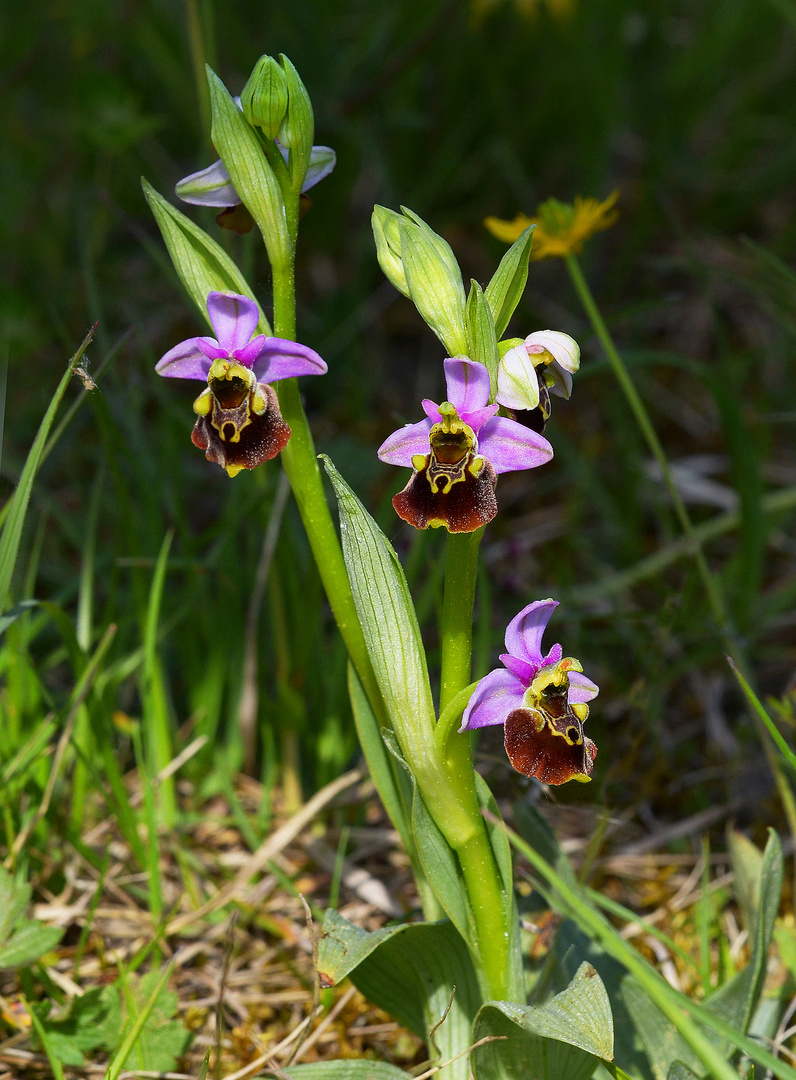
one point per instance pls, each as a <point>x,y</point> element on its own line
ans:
<point>387,234</point>
<point>298,126</point>
<point>265,98</point>
<point>517,381</point>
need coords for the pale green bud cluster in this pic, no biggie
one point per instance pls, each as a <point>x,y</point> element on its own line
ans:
<point>275,101</point>
<point>421,265</point>
<point>264,97</point>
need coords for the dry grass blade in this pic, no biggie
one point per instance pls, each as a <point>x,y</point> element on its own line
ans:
<point>267,850</point>
<point>481,1042</point>
<point>334,1012</point>
<point>266,1059</point>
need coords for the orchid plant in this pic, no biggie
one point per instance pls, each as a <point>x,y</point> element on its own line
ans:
<point>458,978</point>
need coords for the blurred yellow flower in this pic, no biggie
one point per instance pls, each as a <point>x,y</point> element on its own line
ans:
<point>529,9</point>
<point>561,228</point>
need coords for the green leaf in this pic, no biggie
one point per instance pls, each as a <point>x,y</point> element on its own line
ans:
<point>481,337</point>
<point>571,947</point>
<point>391,780</point>
<point>678,1071</point>
<point>298,129</point>
<point>679,1009</point>
<point>747,863</point>
<point>15,612</point>
<point>613,1069</point>
<point>343,1070</point>
<point>562,1038</point>
<point>11,535</point>
<point>441,868</point>
<point>414,972</point>
<point>342,946</point>
<point>29,941</point>
<point>21,940</point>
<point>387,236</point>
<point>392,636</point>
<point>504,291</point>
<point>773,730</point>
<point>443,251</point>
<point>760,893</point>
<point>662,1043</point>
<point>536,832</point>
<point>386,614</point>
<point>83,1027</point>
<point>154,1041</point>
<point>14,899</point>
<point>46,1045</point>
<point>759,879</point>
<point>201,264</point>
<point>243,155</point>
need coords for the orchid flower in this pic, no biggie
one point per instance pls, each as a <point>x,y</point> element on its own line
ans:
<point>239,423</point>
<point>457,452</point>
<point>541,700</point>
<point>530,370</point>
<point>213,187</point>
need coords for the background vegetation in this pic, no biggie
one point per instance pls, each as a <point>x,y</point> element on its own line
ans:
<point>457,111</point>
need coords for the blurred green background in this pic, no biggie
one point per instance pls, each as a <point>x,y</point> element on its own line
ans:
<point>457,111</point>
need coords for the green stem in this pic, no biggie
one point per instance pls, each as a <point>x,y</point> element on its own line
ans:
<point>482,880</point>
<point>489,905</point>
<point>300,463</point>
<point>461,564</point>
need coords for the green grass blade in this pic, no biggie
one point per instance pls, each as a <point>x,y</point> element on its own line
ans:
<point>41,1034</point>
<point>773,730</point>
<point>150,817</point>
<point>12,528</point>
<point>156,709</point>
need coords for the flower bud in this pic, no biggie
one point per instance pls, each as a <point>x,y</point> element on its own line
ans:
<point>421,265</point>
<point>517,381</point>
<point>265,98</point>
<point>298,125</point>
<point>387,234</point>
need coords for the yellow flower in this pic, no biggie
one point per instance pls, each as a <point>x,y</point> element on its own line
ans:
<point>561,228</point>
<point>561,10</point>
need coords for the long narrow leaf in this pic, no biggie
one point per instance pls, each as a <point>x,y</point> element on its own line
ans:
<point>773,730</point>
<point>202,266</point>
<point>508,282</point>
<point>12,528</point>
<point>392,635</point>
